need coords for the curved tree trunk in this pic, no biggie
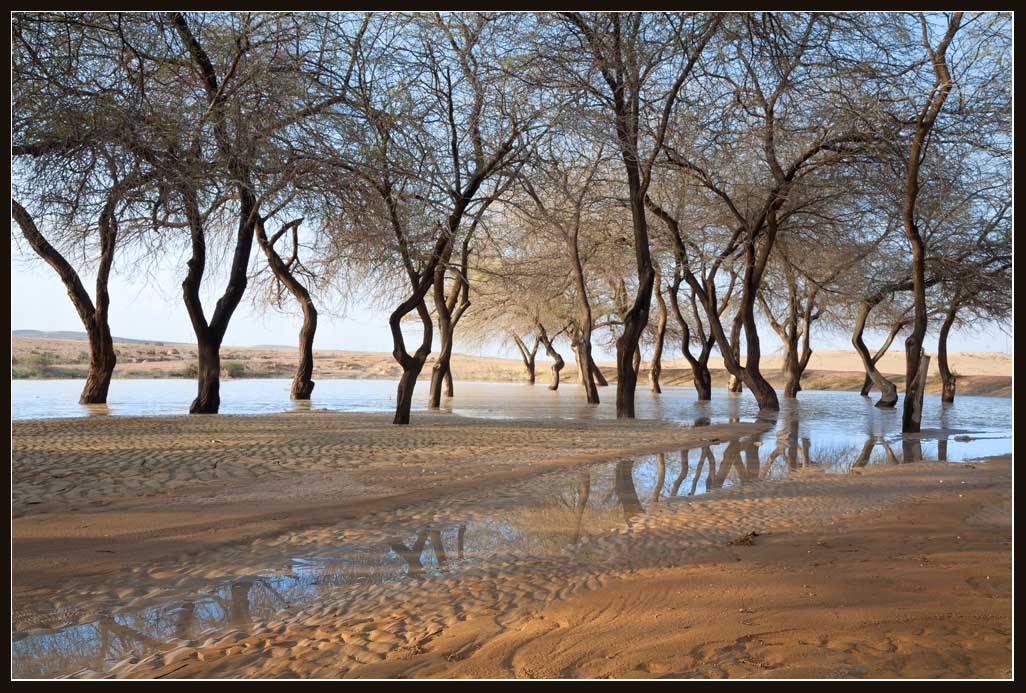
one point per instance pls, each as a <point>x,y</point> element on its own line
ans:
<point>888,391</point>
<point>947,377</point>
<point>302,382</point>
<point>596,374</point>
<point>582,353</point>
<point>527,355</point>
<point>557,360</point>
<point>412,364</point>
<point>734,382</point>
<point>102,357</point>
<point>867,384</point>
<point>764,393</point>
<point>657,353</point>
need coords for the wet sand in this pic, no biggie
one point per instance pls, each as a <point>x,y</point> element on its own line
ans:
<point>897,571</point>
<point>890,570</point>
<point>99,496</point>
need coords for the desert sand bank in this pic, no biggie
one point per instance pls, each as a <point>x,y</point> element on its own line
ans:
<point>979,373</point>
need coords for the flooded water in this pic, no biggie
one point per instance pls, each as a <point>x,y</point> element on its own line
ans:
<point>557,515</point>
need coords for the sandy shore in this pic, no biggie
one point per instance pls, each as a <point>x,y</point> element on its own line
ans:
<point>979,373</point>
<point>95,497</point>
<point>897,571</point>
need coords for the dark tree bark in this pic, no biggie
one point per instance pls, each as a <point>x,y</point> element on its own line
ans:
<point>657,352</point>
<point>449,314</point>
<point>596,374</point>
<point>102,357</point>
<point>734,382</point>
<point>947,377</point>
<point>528,356</point>
<point>302,382</point>
<point>210,334</point>
<point>895,329</point>
<point>700,375</point>
<point>614,58</point>
<point>924,122</point>
<point>888,391</point>
<point>557,360</point>
<point>796,327</point>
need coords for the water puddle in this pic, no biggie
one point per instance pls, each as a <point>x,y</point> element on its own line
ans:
<point>554,516</point>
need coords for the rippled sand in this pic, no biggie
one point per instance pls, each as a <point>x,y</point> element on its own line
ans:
<point>894,572</point>
<point>887,571</point>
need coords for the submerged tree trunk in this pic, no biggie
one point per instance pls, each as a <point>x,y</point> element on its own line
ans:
<point>657,353</point>
<point>449,315</point>
<point>527,355</point>
<point>914,395</point>
<point>734,382</point>
<point>888,391</point>
<point>208,376</point>
<point>302,382</point>
<point>867,384</point>
<point>557,360</point>
<point>412,364</point>
<point>947,377</point>
<point>582,353</point>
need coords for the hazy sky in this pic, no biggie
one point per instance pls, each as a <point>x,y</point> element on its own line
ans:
<point>142,309</point>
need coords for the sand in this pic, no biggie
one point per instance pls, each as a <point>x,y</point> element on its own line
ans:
<point>886,571</point>
<point>95,497</point>
<point>894,572</point>
<point>979,373</point>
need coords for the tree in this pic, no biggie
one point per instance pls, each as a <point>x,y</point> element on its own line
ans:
<point>74,86</point>
<point>644,61</point>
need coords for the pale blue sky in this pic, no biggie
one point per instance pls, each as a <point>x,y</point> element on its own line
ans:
<point>143,309</point>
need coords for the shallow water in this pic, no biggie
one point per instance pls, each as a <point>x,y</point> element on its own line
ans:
<point>551,516</point>
<point>837,418</point>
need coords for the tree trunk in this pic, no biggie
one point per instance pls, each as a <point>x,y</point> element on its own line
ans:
<point>441,366</point>
<point>302,383</point>
<point>527,355</point>
<point>792,373</point>
<point>404,393</point>
<point>947,378</point>
<point>448,382</point>
<point>912,417</point>
<point>657,353</point>
<point>764,393</point>
<point>557,360</point>
<point>102,360</point>
<point>582,352</point>
<point>734,383</point>
<point>633,325</point>
<point>208,377</point>
<point>888,391</point>
<point>596,374</point>
<point>911,409</point>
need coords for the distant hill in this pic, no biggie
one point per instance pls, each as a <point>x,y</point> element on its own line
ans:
<point>74,336</point>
